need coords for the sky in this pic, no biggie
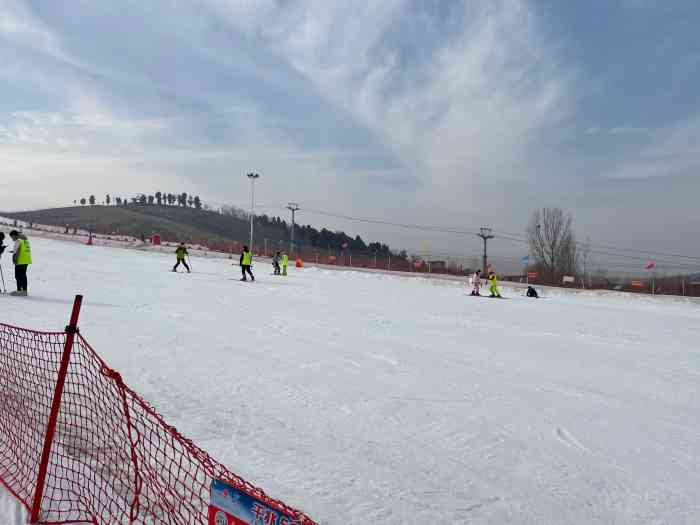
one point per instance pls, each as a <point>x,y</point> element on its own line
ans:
<point>453,113</point>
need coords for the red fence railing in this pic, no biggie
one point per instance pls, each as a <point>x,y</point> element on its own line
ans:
<point>79,446</point>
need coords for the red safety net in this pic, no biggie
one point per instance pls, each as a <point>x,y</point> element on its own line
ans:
<point>113,459</point>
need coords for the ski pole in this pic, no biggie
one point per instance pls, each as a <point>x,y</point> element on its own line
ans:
<point>2,276</point>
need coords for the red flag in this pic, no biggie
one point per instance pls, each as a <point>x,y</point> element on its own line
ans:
<point>650,265</point>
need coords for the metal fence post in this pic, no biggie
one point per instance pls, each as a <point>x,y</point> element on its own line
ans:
<point>71,330</point>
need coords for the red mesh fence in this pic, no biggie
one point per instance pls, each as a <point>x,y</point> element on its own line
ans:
<point>113,459</point>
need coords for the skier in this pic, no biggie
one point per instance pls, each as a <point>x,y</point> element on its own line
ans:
<point>2,249</point>
<point>180,253</point>
<point>493,285</point>
<point>285,263</point>
<point>22,258</point>
<point>276,263</point>
<point>476,283</point>
<point>246,262</point>
<point>531,292</point>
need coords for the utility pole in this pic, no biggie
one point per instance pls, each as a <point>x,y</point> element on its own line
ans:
<point>293,207</point>
<point>485,234</point>
<point>252,177</point>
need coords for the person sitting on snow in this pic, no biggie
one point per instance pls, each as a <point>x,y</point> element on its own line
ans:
<point>531,292</point>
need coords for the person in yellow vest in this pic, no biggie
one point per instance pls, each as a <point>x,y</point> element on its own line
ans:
<point>246,262</point>
<point>22,258</point>
<point>285,263</point>
<point>180,254</point>
<point>493,285</point>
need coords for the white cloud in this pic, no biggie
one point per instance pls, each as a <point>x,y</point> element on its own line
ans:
<point>672,151</point>
<point>471,110</point>
<point>18,25</point>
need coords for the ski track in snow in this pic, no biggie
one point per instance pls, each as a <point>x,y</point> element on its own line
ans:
<point>371,398</point>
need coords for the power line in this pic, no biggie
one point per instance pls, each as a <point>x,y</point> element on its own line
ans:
<point>420,227</point>
<point>598,249</point>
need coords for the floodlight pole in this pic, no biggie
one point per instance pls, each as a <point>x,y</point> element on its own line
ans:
<point>252,177</point>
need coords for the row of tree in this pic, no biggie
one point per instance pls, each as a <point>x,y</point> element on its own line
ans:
<point>157,199</point>
<point>310,236</point>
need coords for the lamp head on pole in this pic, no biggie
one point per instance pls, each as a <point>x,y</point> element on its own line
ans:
<point>253,176</point>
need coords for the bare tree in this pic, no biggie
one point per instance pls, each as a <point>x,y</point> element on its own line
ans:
<point>552,242</point>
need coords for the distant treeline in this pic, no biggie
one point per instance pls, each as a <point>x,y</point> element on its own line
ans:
<point>157,199</point>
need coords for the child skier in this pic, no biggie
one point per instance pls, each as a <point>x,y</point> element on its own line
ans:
<point>285,263</point>
<point>180,253</point>
<point>476,283</point>
<point>531,292</point>
<point>493,285</point>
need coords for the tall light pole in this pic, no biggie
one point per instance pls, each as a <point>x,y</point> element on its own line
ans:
<point>485,234</point>
<point>252,177</point>
<point>293,207</point>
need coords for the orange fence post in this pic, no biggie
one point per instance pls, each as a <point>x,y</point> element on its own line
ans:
<point>71,330</point>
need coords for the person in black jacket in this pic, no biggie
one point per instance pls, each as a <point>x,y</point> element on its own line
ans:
<point>531,292</point>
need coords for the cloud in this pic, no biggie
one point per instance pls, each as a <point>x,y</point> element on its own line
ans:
<point>454,113</point>
<point>19,26</point>
<point>673,151</point>
<point>460,100</point>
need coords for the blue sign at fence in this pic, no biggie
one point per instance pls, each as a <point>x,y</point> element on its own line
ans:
<point>232,506</point>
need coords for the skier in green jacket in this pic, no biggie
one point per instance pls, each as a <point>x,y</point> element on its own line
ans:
<point>285,263</point>
<point>493,285</point>
<point>180,254</point>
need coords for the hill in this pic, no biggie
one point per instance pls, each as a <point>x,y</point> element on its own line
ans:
<point>175,223</point>
<point>172,223</point>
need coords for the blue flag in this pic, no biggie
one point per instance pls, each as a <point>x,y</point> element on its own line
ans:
<point>525,258</point>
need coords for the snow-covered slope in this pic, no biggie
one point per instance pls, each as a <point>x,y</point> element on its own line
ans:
<point>369,398</point>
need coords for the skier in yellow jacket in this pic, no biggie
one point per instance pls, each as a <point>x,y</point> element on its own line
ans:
<point>180,254</point>
<point>493,285</point>
<point>246,263</point>
<point>22,258</point>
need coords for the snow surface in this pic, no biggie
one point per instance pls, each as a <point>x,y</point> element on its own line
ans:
<point>368,398</point>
